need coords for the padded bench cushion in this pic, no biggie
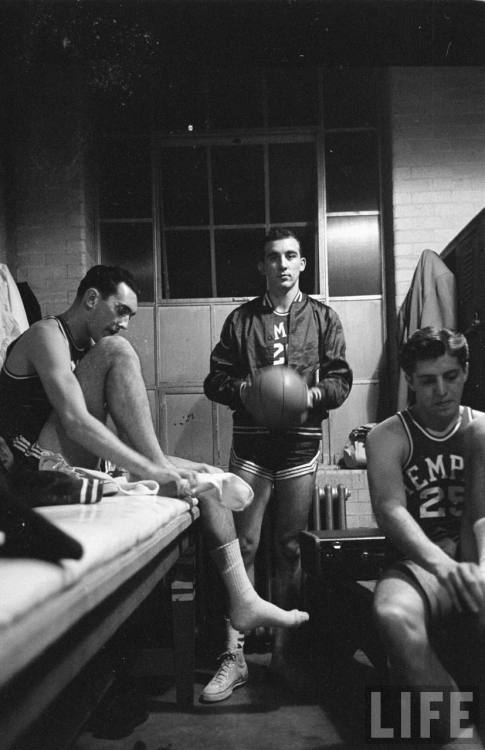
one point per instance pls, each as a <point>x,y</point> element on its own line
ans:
<point>118,535</point>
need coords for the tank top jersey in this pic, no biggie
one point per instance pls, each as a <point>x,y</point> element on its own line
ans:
<point>24,406</point>
<point>279,322</point>
<point>434,476</point>
<point>280,336</point>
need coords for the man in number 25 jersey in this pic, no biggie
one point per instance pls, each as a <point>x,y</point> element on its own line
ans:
<point>419,465</point>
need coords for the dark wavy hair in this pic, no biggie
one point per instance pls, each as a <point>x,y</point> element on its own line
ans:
<point>431,343</point>
<point>277,233</point>
<point>106,280</point>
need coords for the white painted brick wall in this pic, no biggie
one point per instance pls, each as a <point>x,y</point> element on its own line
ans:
<point>53,246</point>
<point>438,152</point>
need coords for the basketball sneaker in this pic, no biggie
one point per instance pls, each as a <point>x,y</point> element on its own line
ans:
<point>232,673</point>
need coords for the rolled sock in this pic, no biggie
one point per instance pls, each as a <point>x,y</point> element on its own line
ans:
<point>479,531</point>
<point>228,489</point>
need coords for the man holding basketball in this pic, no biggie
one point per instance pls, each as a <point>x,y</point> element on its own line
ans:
<point>283,327</point>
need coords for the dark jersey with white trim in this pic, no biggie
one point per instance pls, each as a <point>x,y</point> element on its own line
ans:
<point>24,406</point>
<point>434,476</point>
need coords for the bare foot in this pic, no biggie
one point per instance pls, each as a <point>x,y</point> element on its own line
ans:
<point>252,612</point>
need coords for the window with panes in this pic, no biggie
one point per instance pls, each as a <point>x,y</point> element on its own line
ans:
<point>230,154</point>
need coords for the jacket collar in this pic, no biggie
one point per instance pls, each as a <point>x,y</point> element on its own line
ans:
<point>268,304</point>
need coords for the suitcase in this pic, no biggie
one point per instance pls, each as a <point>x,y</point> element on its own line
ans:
<point>359,553</point>
<point>339,564</point>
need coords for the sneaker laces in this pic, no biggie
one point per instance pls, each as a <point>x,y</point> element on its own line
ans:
<point>225,662</point>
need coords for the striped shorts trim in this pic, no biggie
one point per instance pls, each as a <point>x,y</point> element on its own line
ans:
<point>243,464</point>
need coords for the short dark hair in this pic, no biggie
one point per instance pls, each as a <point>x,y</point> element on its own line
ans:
<point>106,280</point>
<point>431,343</point>
<point>278,233</point>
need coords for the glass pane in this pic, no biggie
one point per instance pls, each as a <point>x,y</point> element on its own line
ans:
<point>184,186</point>
<point>125,186</point>
<point>351,97</point>
<point>189,265</point>
<point>354,258</point>
<point>238,179</point>
<point>235,99</point>
<point>352,173</point>
<point>238,252</point>
<point>130,246</point>
<point>292,96</point>
<point>292,182</point>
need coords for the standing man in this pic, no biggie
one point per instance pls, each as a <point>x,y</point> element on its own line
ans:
<point>60,380</point>
<point>283,327</point>
<point>416,468</point>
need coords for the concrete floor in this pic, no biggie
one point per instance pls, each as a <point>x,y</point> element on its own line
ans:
<point>322,713</point>
<point>265,714</point>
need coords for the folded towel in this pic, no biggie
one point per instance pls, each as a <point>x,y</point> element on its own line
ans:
<point>228,489</point>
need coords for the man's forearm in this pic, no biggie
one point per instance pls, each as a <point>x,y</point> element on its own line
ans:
<point>223,388</point>
<point>405,534</point>
<point>333,389</point>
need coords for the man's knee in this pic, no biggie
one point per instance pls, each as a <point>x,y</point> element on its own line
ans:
<point>113,351</point>
<point>115,346</point>
<point>287,550</point>
<point>249,546</point>
<point>398,624</point>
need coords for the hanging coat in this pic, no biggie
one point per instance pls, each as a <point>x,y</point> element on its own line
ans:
<point>430,301</point>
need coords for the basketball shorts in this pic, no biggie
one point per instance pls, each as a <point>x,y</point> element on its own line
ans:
<point>438,602</point>
<point>275,457</point>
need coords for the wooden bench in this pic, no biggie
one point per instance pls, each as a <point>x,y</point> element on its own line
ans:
<point>56,619</point>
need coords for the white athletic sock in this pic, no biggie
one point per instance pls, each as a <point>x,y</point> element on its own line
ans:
<point>229,563</point>
<point>246,609</point>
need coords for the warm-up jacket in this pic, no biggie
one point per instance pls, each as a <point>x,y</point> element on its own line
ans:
<point>316,350</point>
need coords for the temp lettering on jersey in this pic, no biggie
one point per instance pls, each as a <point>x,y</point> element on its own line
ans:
<point>281,343</point>
<point>437,485</point>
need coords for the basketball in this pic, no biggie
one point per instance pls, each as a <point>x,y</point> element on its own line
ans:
<point>276,397</point>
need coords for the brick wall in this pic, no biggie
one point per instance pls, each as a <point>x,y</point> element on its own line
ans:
<point>52,249</point>
<point>438,151</point>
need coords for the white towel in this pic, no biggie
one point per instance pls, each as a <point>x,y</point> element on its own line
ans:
<point>13,318</point>
<point>228,489</point>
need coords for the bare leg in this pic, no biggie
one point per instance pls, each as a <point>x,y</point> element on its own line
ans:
<point>248,527</point>
<point>401,615</point>
<point>111,381</point>
<point>293,501</point>
<point>249,522</point>
<point>246,609</point>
